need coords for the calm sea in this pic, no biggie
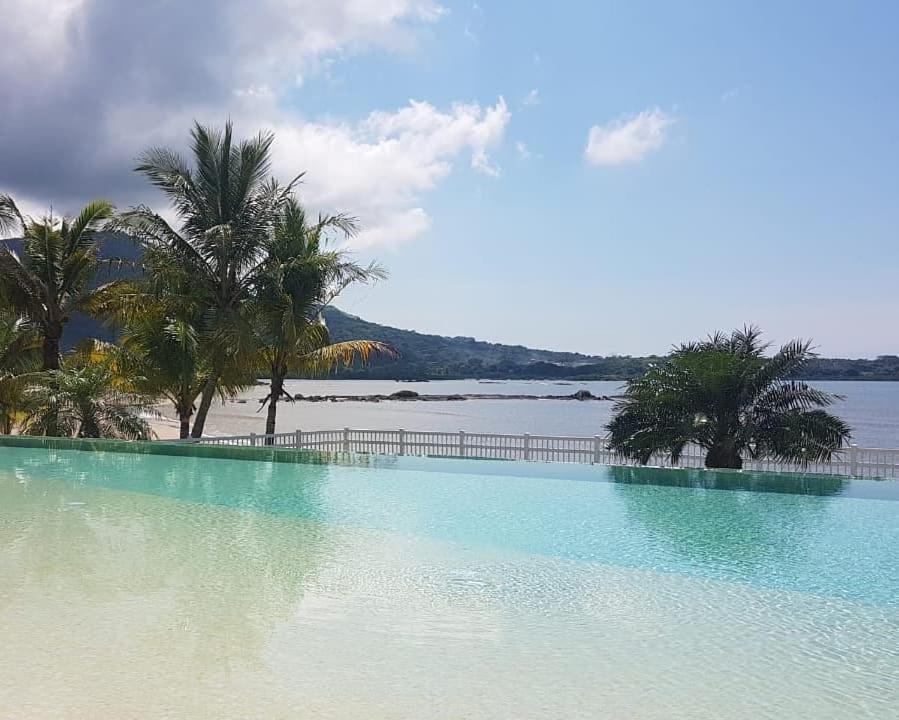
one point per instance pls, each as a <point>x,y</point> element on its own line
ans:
<point>870,408</point>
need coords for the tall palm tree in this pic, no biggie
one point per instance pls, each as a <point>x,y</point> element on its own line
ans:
<point>87,398</point>
<point>161,355</point>
<point>226,206</point>
<point>57,272</point>
<point>725,395</point>
<point>297,278</point>
<point>19,346</point>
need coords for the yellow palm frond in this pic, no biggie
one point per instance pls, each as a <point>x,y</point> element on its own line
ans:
<point>327,358</point>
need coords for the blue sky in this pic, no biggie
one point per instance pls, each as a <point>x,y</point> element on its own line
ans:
<point>743,169</point>
<point>774,199</point>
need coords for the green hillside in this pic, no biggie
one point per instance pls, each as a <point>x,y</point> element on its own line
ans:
<point>436,356</point>
<point>427,356</point>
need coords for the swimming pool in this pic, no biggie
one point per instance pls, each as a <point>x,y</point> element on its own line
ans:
<point>156,585</point>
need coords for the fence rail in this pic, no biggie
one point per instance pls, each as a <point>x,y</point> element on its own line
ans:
<point>852,461</point>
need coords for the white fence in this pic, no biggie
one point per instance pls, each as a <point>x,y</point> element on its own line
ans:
<point>852,461</point>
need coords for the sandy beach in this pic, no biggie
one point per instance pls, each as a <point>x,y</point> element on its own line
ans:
<point>164,429</point>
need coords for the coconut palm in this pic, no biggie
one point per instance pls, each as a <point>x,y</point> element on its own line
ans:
<point>19,346</point>
<point>226,206</point>
<point>725,395</point>
<point>161,354</point>
<point>57,271</point>
<point>298,277</point>
<point>87,398</point>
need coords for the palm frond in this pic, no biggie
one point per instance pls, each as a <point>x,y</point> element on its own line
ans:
<point>11,220</point>
<point>325,359</point>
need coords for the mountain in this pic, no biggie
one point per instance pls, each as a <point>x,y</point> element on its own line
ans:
<point>438,357</point>
<point>425,356</point>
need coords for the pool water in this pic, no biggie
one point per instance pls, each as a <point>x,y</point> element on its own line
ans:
<point>151,585</point>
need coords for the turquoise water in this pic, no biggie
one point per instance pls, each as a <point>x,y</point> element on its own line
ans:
<point>529,575</point>
<point>829,536</point>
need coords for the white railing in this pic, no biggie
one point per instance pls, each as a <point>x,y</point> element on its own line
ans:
<point>852,461</point>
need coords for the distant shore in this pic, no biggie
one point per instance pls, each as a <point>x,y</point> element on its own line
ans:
<point>412,396</point>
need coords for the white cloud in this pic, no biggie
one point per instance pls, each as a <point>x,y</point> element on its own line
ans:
<point>393,229</point>
<point>532,98</point>
<point>203,60</point>
<point>628,139</point>
<point>523,151</point>
<point>379,168</point>
<point>734,93</point>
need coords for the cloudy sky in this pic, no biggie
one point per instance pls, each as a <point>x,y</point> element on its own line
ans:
<point>607,177</point>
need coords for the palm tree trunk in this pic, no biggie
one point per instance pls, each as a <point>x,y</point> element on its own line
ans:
<point>205,403</point>
<point>276,388</point>
<point>51,349</point>
<point>724,454</point>
<point>184,430</point>
<point>50,361</point>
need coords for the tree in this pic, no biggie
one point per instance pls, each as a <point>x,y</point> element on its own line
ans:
<point>19,345</point>
<point>161,354</point>
<point>297,278</point>
<point>227,205</point>
<point>87,398</point>
<point>726,396</point>
<point>57,272</point>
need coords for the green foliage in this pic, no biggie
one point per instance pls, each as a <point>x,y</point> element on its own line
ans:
<point>205,272</point>
<point>19,345</point>
<point>55,276</point>
<point>725,395</point>
<point>297,277</point>
<point>86,398</point>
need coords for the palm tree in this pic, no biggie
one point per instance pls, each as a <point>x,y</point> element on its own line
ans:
<point>298,277</point>
<point>87,398</point>
<point>19,345</point>
<point>227,205</point>
<point>161,354</point>
<point>726,396</point>
<point>56,274</point>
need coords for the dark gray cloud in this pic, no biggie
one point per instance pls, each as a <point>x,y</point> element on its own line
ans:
<point>72,123</point>
<point>87,84</point>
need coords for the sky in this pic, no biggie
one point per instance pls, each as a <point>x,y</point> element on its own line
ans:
<point>602,177</point>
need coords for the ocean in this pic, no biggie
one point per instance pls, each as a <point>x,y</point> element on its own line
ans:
<point>870,408</point>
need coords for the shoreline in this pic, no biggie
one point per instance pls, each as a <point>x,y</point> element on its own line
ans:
<point>411,396</point>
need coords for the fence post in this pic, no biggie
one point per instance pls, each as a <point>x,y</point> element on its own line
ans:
<point>597,450</point>
<point>461,443</point>
<point>527,446</point>
<point>402,441</point>
<point>298,438</point>
<point>253,439</point>
<point>346,440</point>
<point>853,460</point>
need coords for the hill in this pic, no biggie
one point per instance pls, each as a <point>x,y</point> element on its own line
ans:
<point>438,357</point>
<point>425,356</point>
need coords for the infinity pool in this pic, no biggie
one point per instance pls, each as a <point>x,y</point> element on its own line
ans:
<point>158,586</point>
